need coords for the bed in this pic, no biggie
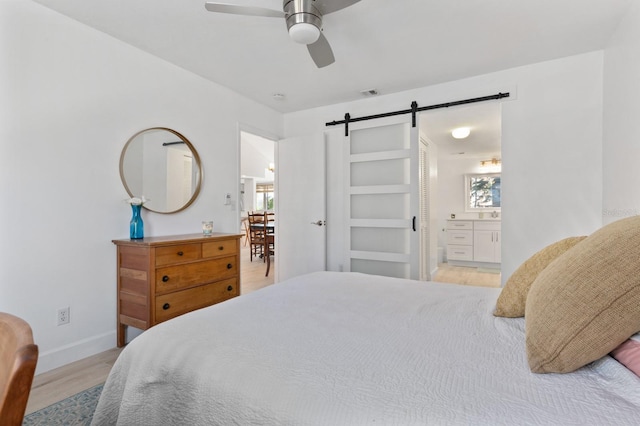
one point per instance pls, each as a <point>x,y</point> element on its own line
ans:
<point>334,348</point>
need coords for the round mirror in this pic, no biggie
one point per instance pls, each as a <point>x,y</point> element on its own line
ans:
<point>161,165</point>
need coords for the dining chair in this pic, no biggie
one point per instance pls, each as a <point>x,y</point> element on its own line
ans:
<point>245,224</point>
<point>269,216</point>
<point>256,234</point>
<point>18,359</point>
<point>270,244</point>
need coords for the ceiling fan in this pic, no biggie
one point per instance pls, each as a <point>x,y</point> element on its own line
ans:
<point>303,18</point>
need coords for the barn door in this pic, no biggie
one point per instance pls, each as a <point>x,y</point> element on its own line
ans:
<point>382,204</point>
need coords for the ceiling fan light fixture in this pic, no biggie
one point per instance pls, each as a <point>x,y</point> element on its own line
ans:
<point>304,33</point>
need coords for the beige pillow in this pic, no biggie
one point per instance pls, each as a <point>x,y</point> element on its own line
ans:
<point>513,296</point>
<point>587,301</point>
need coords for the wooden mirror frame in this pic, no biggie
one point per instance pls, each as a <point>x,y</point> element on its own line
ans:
<point>170,137</point>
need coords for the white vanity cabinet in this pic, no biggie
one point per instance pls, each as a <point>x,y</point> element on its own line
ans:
<point>460,240</point>
<point>486,242</point>
<point>470,242</point>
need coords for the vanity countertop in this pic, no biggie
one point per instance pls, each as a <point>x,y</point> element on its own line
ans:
<point>476,219</point>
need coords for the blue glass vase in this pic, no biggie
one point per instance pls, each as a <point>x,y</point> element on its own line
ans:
<point>136,228</point>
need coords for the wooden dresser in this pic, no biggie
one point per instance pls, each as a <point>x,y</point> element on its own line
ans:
<point>162,277</point>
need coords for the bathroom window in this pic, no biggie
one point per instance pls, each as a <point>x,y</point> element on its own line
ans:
<point>482,192</point>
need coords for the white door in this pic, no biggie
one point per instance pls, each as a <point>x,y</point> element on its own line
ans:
<point>300,206</point>
<point>381,199</point>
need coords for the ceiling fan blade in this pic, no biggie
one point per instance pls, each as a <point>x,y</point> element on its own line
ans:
<point>243,10</point>
<point>321,52</point>
<point>328,6</point>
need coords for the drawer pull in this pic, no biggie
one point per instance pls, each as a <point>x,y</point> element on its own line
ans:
<point>165,278</point>
<point>221,248</point>
<point>229,266</point>
<point>229,288</point>
<point>180,253</point>
<point>166,306</point>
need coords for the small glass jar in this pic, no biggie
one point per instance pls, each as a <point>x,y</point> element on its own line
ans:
<point>207,227</point>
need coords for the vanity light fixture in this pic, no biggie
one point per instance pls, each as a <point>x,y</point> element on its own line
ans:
<point>460,132</point>
<point>492,162</point>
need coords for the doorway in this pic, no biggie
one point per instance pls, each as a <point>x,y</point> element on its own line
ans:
<point>256,194</point>
<point>464,229</point>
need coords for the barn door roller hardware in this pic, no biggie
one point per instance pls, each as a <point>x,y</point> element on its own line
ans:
<point>413,111</point>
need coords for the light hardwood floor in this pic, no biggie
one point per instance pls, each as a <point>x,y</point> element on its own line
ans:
<point>466,275</point>
<point>58,384</point>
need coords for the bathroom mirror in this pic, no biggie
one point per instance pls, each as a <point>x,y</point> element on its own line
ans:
<point>482,192</point>
<point>161,165</point>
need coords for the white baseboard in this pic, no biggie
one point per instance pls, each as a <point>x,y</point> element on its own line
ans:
<point>434,271</point>
<point>76,351</point>
<point>472,264</point>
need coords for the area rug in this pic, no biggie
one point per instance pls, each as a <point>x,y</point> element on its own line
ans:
<point>77,410</point>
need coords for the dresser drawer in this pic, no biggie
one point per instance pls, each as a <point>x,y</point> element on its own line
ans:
<point>180,302</point>
<point>455,252</point>
<point>177,254</point>
<point>459,224</point>
<point>459,237</point>
<point>171,278</point>
<point>219,248</point>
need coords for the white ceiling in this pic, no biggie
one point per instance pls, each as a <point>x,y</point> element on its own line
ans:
<point>382,44</point>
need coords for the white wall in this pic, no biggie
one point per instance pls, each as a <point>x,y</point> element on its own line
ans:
<point>70,98</point>
<point>621,120</point>
<point>551,149</point>
<point>254,163</point>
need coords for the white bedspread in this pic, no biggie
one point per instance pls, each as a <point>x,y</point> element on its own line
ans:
<point>354,349</point>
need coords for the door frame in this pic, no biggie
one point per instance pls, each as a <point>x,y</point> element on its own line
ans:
<point>242,127</point>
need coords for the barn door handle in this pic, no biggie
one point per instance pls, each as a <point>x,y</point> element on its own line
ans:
<point>413,225</point>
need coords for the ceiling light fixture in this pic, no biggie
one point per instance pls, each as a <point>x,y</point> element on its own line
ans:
<point>460,132</point>
<point>304,33</point>
<point>303,21</point>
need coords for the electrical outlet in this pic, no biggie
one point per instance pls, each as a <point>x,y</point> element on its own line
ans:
<point>63,316</point>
